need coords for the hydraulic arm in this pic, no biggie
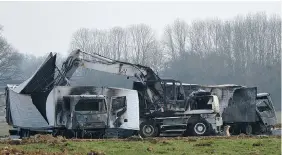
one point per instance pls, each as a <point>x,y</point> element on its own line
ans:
<point>97,62</point>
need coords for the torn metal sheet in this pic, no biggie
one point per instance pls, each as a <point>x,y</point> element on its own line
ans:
<point>241,106</point>
<point>41,80</point>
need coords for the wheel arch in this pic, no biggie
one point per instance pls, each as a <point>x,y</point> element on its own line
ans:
<point>194,119</point>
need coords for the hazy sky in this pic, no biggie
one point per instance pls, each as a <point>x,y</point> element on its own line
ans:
<point>43,27</point>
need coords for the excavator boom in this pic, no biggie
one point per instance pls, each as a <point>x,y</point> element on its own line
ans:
<point>97,62</point>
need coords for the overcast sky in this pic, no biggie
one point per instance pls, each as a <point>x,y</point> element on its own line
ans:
<point>43,27</point>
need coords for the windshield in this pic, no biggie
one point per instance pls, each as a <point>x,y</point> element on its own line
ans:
<point>263,107</point>
<point>174,92</point>
<point>91,105</point>
<point>202,102</point>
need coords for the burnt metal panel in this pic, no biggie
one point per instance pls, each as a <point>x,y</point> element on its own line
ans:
<point>42,80</point>
<point>9,119</point>
<point>241,106</point>
<point>188,89</point>
<point>237,103</point>
<point>39,100</point>
<point>268,115</point>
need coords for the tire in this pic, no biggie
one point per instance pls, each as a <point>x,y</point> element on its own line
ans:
<point>200,128</point>
<point>248,130</point>
<point>24,133</point>
<point>234,130</point>
<point>148,129</point>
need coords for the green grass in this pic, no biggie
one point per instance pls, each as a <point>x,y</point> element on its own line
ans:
<point>181,146</point>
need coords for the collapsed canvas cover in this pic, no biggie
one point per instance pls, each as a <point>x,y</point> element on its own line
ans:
<point>23,111</point>
<point>41,79</point>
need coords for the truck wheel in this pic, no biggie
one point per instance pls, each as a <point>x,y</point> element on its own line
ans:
<point>248,129</point>
<point>148,129</point>
<point>234,130</point>
<point>24,133</point>
<point>200,128</point>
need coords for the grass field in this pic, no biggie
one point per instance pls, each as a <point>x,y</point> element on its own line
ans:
<point>170,146</point>
<point>175,146</point>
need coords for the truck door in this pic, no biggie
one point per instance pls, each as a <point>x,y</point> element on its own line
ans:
<point>118,111</point>
<point>124,111</point>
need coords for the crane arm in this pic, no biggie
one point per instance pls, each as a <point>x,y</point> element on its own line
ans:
<point>97,62</point>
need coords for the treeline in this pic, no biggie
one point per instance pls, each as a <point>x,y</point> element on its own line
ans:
<point>245,50</point>
<point>9,59</point>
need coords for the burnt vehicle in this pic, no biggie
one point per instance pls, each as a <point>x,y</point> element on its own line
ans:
<point>196,114</point>
<point>80,112</point>
<point>39,106</point>
<point>241,107</point>
<point>160,110</point>
<point>266,113</point>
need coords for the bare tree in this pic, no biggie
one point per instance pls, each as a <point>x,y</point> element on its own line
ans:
<point>9,59</point>
<point>180,29</point>
<point>81,39</point>
<point>245,50</point>
<point>141,41</point>
<point>118,42</point>
<point>176,38</point>
<point>169,44</point>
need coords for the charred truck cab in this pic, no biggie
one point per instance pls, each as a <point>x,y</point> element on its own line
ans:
<point>266,114</point>
<point>98,112</point>
<point>241,107</point>
<point>197,114</point>
<point>88,114</point>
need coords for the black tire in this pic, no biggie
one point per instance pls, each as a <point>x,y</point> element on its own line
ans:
<point>234,130</point>
<point>148,129</point>
<point>199,128</point>
<point>24,133</point>
<point>248,130</point>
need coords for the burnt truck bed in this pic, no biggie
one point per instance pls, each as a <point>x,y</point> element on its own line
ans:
<point>237,103</point>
